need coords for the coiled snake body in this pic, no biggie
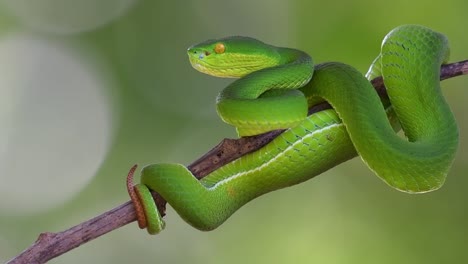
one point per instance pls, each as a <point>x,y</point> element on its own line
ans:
<point>276,89</point>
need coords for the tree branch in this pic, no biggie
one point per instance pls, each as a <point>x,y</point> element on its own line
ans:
<point>51,245</point>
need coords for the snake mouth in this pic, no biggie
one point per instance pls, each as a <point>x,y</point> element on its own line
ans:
<point>201,64</point>
<point>201,68</point>
<point>229,66</point>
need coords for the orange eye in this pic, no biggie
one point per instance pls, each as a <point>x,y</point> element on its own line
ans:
<point>219,48</point>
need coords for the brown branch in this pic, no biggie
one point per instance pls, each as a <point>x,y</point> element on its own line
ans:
<point>51,245</point>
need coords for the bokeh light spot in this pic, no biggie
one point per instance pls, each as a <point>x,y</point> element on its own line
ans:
<point>66,16</point>
<point>55,124</point>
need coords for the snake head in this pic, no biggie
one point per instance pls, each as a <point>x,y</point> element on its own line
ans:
<point>232,57</point>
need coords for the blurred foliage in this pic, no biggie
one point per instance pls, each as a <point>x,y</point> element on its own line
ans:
<point>164,112</point>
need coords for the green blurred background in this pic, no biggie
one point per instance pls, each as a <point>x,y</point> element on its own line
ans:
<point>88,88</point>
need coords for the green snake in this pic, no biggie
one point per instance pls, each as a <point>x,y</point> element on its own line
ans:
<point>276,87</point>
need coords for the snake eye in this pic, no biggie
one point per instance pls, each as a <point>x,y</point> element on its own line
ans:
<point>219,48</point>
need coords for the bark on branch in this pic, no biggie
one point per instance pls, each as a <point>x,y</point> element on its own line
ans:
<point>50,245</point>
